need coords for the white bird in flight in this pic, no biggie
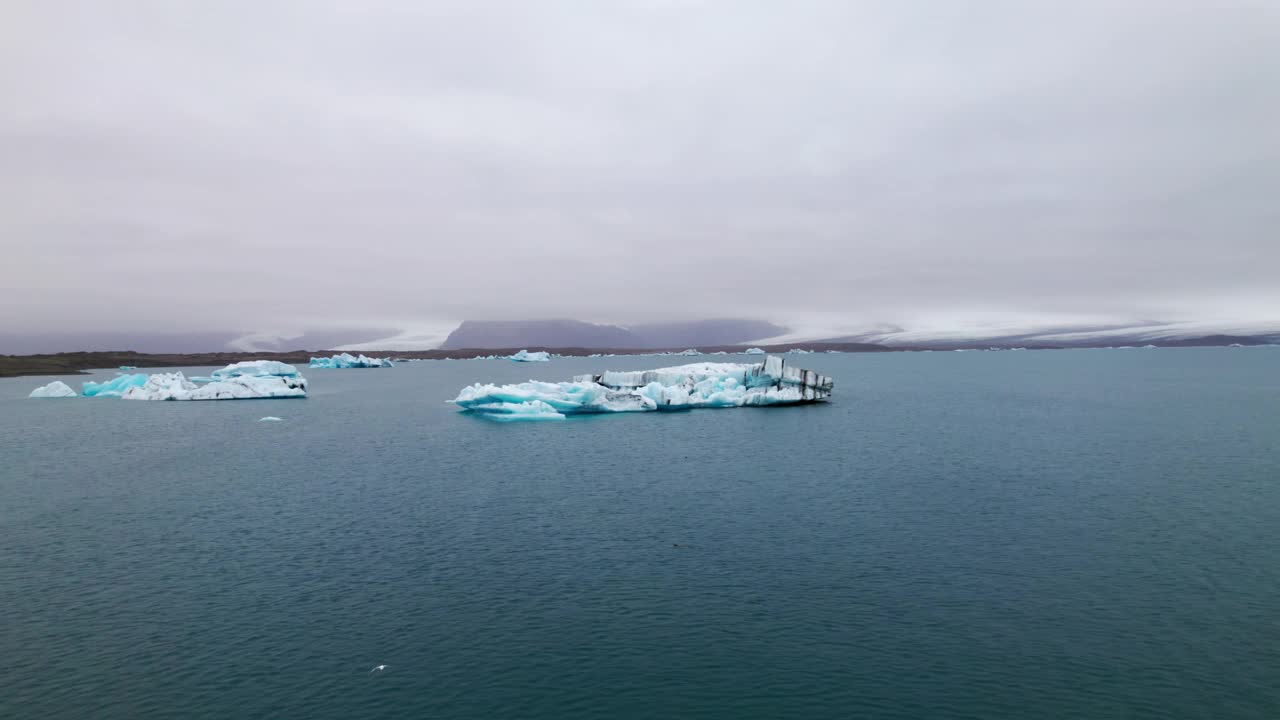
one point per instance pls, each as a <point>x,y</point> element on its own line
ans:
<point>378,668</point>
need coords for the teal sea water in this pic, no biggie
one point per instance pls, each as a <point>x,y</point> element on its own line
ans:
<point>1074,534</point>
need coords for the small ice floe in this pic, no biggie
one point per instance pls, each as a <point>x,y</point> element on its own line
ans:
<point>270,418</point>
<point>55,389</point>
<point>526,356</point>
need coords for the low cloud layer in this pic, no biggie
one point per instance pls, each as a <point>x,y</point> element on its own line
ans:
<point>283,167</point>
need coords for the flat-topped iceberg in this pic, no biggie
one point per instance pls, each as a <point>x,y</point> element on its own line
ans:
<point>699,385</point>
<point>526,356</point>
<point>256,368</point>
<point>347,360</point>
<point>115,387</point>
<point>55,389</point>
<point>753,351</point>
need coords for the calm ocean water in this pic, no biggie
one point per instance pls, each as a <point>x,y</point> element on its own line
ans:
<point>1075,534</point>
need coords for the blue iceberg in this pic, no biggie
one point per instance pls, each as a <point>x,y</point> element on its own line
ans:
<point>115,387</point>
<point>700,385</point>
<point>346,360</point>
<point>526,356</point>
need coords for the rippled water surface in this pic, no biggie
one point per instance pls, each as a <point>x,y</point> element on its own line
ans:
<point>1091,534</point>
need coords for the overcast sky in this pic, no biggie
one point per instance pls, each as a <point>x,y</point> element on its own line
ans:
<point>277,166</point>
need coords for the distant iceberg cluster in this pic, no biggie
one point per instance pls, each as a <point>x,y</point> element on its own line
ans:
<point>347,360</point>
<point>240,381</point>
<point>700,385</point>
<point>526,356</point>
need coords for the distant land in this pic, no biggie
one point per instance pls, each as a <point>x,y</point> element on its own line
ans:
<point>79,362</point>
<point>572,337</point>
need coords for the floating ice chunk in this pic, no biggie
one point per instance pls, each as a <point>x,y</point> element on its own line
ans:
<point>55,389</point>
<point>115,387</point>
<point>526,356</point>
<point>128,367</point>
<point>690,351</point>
<point>346,360</point>
<point>522,411</point>
<point>700,385</point>
<point>799,351</point>
<point>256,368</point>
<point>270,418</point>
<point>174,386</point>
<point>753,351</point>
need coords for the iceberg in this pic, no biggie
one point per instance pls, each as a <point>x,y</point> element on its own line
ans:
<point>240,381</point>
<point>55,389</point>
<point>690,351</point>
<point>128,367</point>
<point>684,387</point>
<point>346,360</point>
<point>270,418</point>
<point>256,368</point>
<point>753,351</point>
<point>174,386</point>
<point>115,387</point>
<point>526,356</point>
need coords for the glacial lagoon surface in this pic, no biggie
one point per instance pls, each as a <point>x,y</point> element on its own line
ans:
<point>1069,534</point>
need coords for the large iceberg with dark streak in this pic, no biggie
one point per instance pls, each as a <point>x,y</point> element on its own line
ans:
<point>250,380</point>
<point>174,386</point>
<point>347,360</point>
<point>700,385</point>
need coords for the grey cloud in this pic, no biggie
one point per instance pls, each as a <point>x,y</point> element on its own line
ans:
<point>273,167</point>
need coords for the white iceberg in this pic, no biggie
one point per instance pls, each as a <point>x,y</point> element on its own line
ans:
<point>700,385</point>
<point>256,368</point>
<point>347,360</point>
<point>690,351</point>
<point>799,351</point>
<point>55,389</point>
<point>526,356</point>
<point>115,387</point>
<point>753,351</point>
<point>270,418</point>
